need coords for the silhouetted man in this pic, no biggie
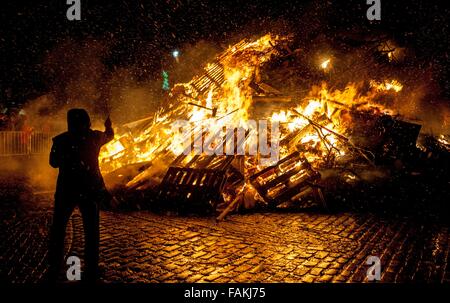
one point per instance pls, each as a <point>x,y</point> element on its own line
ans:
<point>80,183</point>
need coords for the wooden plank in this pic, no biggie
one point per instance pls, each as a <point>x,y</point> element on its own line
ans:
<point>291,191</point>
<point>280,179</point>
<point>267,169</point>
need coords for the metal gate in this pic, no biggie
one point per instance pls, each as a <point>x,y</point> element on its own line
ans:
<point>16,143</point>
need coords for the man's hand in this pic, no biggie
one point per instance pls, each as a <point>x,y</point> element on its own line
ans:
<point>109,132</point>
<point>108,123</point>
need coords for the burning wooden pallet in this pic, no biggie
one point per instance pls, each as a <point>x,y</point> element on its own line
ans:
<point>186,188</point>
<point>213,75</point>
<point>214,72</point>
<point>195,182</point>
<point>291,179</point>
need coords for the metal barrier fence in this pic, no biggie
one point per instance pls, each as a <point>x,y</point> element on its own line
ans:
<point>16,143</point>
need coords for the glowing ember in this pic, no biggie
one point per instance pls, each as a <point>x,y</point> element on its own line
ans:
<point>387,85</point>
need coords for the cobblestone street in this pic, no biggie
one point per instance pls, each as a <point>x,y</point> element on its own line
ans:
<point>260,247</point>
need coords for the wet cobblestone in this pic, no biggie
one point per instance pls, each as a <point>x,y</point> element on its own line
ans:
<point>260,247</point>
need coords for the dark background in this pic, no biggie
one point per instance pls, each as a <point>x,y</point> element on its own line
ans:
<point>142,32</point>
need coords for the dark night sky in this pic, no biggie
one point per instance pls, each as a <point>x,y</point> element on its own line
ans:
<point>29,30</point>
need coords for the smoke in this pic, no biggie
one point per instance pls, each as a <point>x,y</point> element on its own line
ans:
<point>79,74</point>
<point>192,59</point>
<point>33,171</point>
<point>86,73</point>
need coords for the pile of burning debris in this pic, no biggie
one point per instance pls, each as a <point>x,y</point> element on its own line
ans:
<point>162,166</point>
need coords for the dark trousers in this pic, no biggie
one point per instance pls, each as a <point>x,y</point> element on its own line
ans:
<point>90,214</point>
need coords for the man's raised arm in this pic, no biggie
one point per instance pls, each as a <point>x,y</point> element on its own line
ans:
<point>109,132</point>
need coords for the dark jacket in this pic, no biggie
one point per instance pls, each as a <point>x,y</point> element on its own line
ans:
<point>76,156</point>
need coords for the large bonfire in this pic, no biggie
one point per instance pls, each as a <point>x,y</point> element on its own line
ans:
<point>314,130</point>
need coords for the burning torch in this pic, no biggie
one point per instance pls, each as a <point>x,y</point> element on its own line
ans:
<point>325,65</point>
<point>176,55</point>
